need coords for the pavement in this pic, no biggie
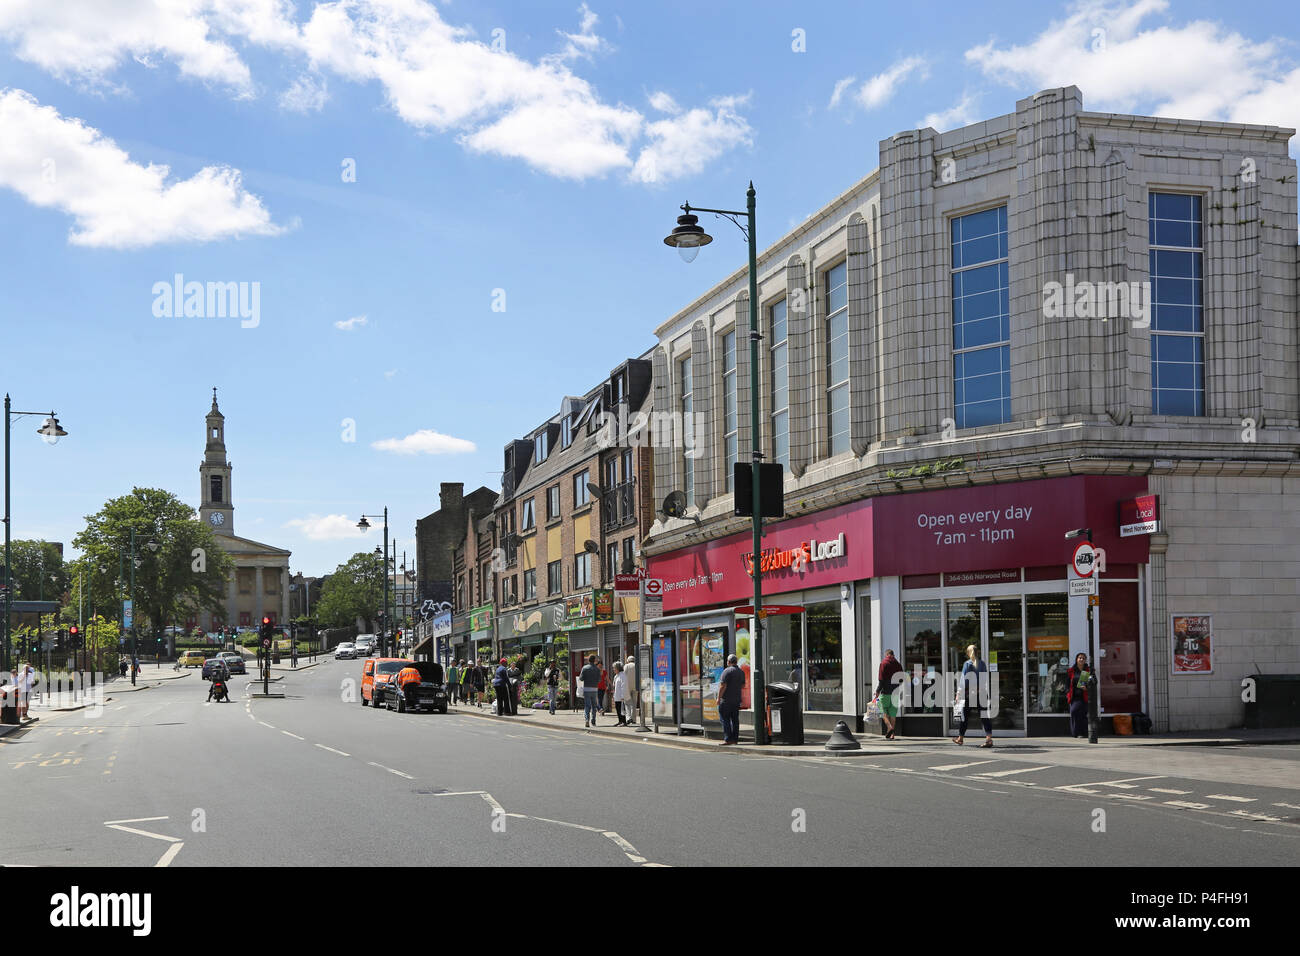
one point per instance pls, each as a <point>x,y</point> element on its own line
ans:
<point>874,743</point>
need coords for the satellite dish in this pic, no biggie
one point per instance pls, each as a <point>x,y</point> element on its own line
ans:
<point>594,489</point>
<point>591,546</point>
<point>675,504</point>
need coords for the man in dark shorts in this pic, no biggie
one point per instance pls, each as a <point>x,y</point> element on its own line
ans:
<point>729,687</point>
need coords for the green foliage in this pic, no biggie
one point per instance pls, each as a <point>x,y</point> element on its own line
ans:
<point>38,571</point>
<point>929,468</point>
<point>167,585</point>
<point>354,590</point>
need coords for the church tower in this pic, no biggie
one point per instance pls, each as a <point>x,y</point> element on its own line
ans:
<point>214,476</point>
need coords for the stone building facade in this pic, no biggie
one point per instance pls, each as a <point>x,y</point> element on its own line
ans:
<point>1015,328</point>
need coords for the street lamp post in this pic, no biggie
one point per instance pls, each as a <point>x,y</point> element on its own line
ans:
<point>363,524</point>
<point>51,432</point>
<point>687,239</point>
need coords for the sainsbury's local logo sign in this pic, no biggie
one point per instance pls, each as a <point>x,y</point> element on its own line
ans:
<point>795,559</point>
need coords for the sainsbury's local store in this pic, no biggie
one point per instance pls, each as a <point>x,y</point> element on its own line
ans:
<point>926,574</point>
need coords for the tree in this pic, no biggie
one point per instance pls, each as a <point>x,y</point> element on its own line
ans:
<point>187,572</point>
<point>38,571</point>
<point>353,591</point>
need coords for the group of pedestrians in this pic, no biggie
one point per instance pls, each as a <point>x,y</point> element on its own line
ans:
<point>467,682</point>
<point>595,682</point>
<point>21,680</point>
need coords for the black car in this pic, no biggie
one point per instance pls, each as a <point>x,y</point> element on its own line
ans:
<point>429,691</point>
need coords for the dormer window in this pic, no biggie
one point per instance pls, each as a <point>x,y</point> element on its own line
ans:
<point>540,449</point>
<point>566,432</point>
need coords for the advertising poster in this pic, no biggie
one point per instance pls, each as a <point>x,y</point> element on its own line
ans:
<point>1192,637</point>
<point>713,658</point>
<point>661,649</point>
<point>604,603</point>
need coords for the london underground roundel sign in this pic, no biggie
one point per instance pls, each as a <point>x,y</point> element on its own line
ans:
<point>1085,560</point>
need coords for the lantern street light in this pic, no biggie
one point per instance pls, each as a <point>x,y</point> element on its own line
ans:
<point>688,238</point>
<point>363,524</point>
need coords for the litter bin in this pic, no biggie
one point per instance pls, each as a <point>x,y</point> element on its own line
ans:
<point>9,704</point>
<point>1276,703</point>
<point>784,713</point>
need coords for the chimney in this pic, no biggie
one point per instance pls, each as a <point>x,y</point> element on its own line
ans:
<point>450,493</point>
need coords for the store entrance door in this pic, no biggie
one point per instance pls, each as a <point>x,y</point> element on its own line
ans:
<point>996,626</point>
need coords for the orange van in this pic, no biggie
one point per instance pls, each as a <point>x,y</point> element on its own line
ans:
<point>376,672</point>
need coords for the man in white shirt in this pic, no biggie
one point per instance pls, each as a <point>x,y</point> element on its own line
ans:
<point>26,677</point>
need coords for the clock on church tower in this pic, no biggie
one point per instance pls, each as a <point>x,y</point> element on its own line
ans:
<point>214,474</point>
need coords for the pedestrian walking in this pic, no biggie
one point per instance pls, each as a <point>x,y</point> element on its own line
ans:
<point>453,680</point>
<point>501,689</point>
<point>603,686</point>
<point>730,685</point>
<point>972,693</point>
<point>1076,695</point>
<point>620,693</point>
<point>552,685</point>
<point>590,680</point>
<point>468,680</point>
<point>24,678</point>
<point>516,686</point>
<point>479,682</point>
<point>122,665</point>
<point>885,693</point>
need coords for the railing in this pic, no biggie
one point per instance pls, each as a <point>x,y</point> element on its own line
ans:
<point>618,506</point>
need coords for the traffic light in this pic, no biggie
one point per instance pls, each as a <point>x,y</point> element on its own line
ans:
<point>74,638</point>
<point>60,640</point>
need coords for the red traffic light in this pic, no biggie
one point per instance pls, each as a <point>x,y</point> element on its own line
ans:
<point>73,630</point>
<point>266,620</point>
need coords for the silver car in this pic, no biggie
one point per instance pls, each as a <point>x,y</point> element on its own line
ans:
<point>346,651</point>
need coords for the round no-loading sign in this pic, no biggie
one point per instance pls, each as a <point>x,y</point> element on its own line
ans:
<point>1085,560</point>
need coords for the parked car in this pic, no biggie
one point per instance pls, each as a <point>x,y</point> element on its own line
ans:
<point>415,686</point>
<point>346,651</point>
<point>234,662</point>
<point>376,673</point>
<point>192,659</point>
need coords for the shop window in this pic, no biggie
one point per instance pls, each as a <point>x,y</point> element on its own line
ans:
<point>825,668</point>
<point>1047,652</point>
<point>1120,670</point>
<point>784,645</point>
<point>923,648</point>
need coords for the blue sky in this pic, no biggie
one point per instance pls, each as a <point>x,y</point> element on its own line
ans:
<point>540,149</point>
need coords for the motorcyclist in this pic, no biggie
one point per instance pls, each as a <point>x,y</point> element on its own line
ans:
<point>220,672</point>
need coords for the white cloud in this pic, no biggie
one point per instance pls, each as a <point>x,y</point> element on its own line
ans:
<point>962,113</point>
<point>326,527</point>
<point>88,39</point>
<point>880,89</point>
<point>307,95</point>
<point>347,325</point>
<point>685,144</point>
<point>838,93</point>
<point>1199,69</point>
<point>60,163</point>
<point>436,76</point>
<point>664,103</point>
<point>390,373</point>
<point>425,442</point>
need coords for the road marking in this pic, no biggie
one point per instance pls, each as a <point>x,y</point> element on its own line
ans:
<point>1176,793</point>
<point>333,751</point>
<point>1008,773</point>
<point>1252,815</point>
<point>1187,806</point>
<point>1124,783</point>
<point>1128,796</point>
<point>1226,796</point>
<point>390,770</point>
<point>961,766</point>
<point>492,800</point>
<point>169,855</point>
<point>1078,789</point>
<point>294,736</point>
<point>109,823</point>
<point>1289,806</point>
<point>265,724</point>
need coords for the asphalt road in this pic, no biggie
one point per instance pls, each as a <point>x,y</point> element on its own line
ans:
<point>316,779</point>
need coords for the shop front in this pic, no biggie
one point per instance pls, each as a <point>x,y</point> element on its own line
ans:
<point>928,575</point>
<point>481,634</point>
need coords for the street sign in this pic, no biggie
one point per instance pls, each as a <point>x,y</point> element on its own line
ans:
<point>266,642</point>
<point>627,585</point>
<point>1094,600</point>
<point>1082,586</point>
<point>654,587</point>
<point>1084,560</point>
